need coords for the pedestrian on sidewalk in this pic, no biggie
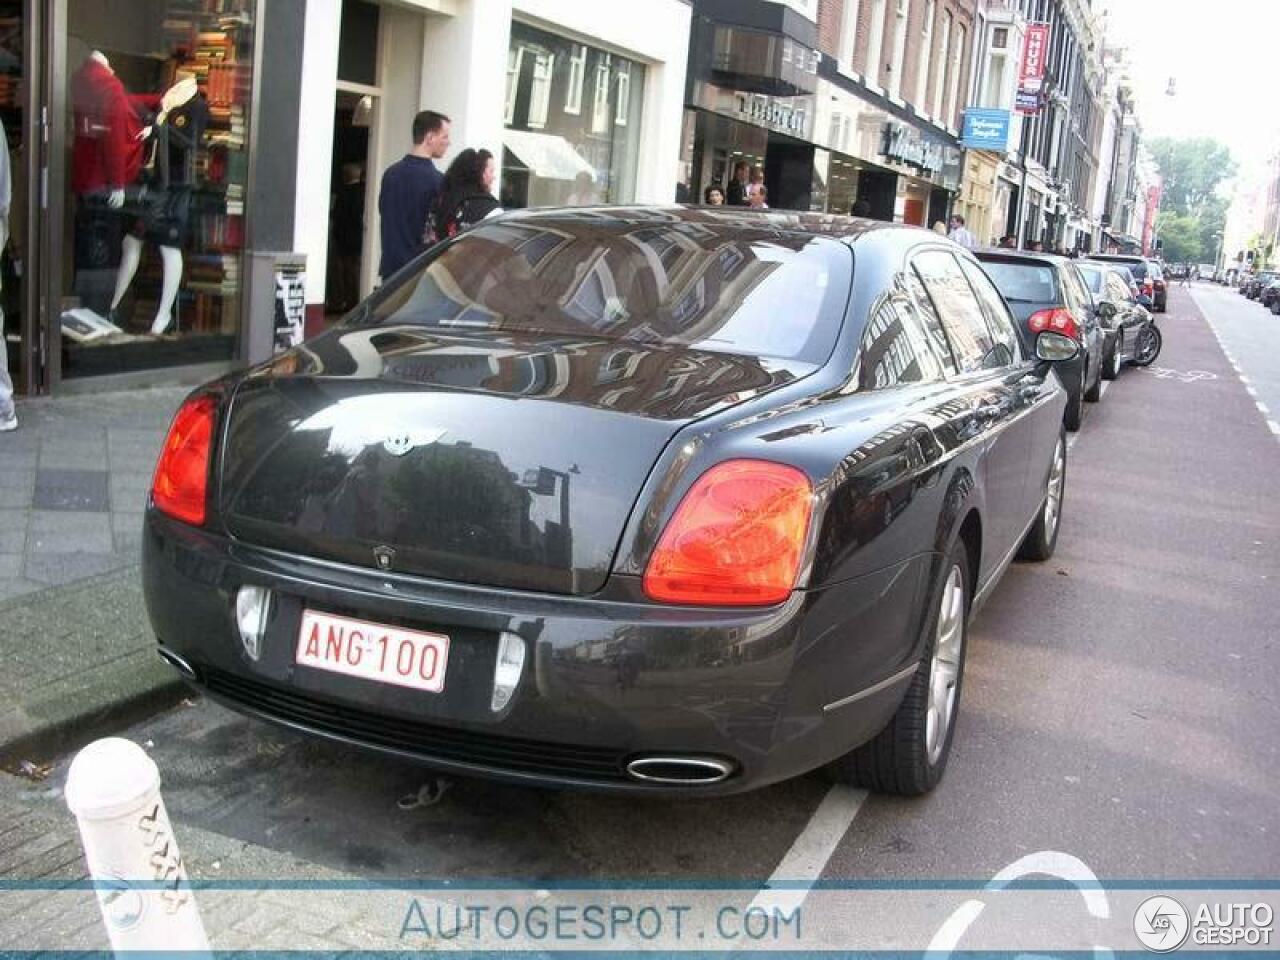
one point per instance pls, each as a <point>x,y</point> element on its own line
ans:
<point>408,193</point>
<point>960,233</point>
<point>466,197</point>
<point>8,416</point>
<point>737,195</point>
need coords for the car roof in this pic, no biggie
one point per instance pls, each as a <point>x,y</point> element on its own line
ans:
<point>1028,256</point>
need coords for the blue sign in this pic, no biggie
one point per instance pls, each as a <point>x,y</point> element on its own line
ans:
<point>986,129</point>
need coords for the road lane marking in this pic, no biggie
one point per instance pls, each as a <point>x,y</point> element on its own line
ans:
<point>1262,408</point>
<point>1105,385</point>
<point>1275,427</point>
<point>803,864</point>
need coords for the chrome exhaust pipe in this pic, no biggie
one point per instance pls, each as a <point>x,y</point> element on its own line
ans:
<point>178,663</point>
<point>688,771</point>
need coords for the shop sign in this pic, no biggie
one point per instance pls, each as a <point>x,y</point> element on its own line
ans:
<point>1027,101</point>
<point>900,145</point>
<point>1035,48</point>
<point>773,113</point>
<point>986,129</point>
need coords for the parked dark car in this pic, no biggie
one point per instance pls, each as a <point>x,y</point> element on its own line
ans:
<point>1147,273</point>
<point>1269,292</point>
<point>1118,309</point>
<point>1046,292</point>
<point>1259,282</point>
<point>628,498</point>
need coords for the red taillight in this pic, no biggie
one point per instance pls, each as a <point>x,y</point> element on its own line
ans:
<point>1057,320</point>
<point>737,537</point>
<point>181,480</point>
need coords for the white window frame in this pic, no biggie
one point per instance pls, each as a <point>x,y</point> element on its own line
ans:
<point>577,79</point>
<point>848,35</point>
<point>624,94</point>
<point>901,18</point>
<point>875,43</point>
<point>544,65</point>
<point>515,61</point>
<point>926,56</point>
<point>600,95</point>
<point>940,65</point>
<point>956,63</point>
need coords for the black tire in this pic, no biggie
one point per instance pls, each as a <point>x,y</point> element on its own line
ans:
<point>1094,393</point>
<point>897,760</point>
<point>1147,347</point>
<point>1042,539</point>
<point>1111,364</point>
<point>1073,417</point>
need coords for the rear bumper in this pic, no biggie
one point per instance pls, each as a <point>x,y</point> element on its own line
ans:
<point>604,683</point>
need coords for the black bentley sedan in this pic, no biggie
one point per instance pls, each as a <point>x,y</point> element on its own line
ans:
<point>647,499</point>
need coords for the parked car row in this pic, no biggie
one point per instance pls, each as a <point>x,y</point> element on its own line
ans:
<point>1263,286</point>
<point>1095,302</point>
<point>635,499</point>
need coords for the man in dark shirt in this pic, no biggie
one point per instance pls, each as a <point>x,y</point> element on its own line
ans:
<point>409,190</point>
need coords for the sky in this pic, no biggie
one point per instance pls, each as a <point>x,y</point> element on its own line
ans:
<point>1224,57</point>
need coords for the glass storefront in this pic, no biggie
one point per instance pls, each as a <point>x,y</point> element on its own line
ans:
<point>158,96</point>
<point>572,120</point>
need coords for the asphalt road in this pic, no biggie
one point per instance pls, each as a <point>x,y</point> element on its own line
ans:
<point>1120,701</point>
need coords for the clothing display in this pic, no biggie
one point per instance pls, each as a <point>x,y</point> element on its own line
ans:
<point>107,153</point>
<point>164,199</point>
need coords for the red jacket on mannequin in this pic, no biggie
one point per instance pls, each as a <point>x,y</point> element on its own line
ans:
<point>107,154</point>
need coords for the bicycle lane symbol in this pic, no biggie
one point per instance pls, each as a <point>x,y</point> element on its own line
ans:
<point>1184,376</point>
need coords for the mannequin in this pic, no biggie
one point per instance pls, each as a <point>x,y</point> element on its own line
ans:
<point>166,198</point>
<point>106,157</point>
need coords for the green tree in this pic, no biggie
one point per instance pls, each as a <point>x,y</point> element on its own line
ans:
<point>1192,170</point>
<point>1180,236</point>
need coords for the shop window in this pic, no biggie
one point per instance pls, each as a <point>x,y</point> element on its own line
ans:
<point>158,125</point>
<point>577,78</point>
<point>576,148</point>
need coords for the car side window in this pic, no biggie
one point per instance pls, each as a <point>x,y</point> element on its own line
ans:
<point>1076,288</point>
<point>1117,290</point>
<point>929,319</point>
<point>895,348</point>
<point>1000,321</point>
<point>961,315</point>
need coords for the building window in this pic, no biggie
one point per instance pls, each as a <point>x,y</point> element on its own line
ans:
<point>568,150</point>
<point>577,77</point>
<point>875,46</point>
<point>902,11</point>
<point>540,92</point>
<point>926,52</point>
<point>600,106</point>
<point>848,34</point>
<point>957,61</point>
<point>624,94</point>
<point>940,70</point>
<point>993,92</point>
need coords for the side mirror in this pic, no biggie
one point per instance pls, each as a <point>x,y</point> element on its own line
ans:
<point>1056,347</point>
<point>1106,310</point>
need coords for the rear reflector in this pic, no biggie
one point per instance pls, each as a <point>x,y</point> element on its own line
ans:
<point>737,538</point>
<point>1056,320</point>
<point>181,481</point>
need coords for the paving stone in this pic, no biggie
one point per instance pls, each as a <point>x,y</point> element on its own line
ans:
<point>17,485</point>
<point>13,519</point>
<point>71,490</point>
<point>75,449</point>
<point>13,541</point>
<point>13,587</point>
<point>53,532</point>
<point>126,527</point>
<point>129,491</point>
<point>10,566</point>
<point>56,569</point>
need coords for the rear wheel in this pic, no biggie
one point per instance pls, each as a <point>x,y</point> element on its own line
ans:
<point>1148,345</point>
<point>1111,366</point>
<point>909,756</point>
<point>1042,538</point>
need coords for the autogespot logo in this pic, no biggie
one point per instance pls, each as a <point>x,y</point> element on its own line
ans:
<point>1161,924</point>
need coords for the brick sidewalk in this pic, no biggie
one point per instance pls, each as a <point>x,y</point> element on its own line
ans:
<point>79,654</point>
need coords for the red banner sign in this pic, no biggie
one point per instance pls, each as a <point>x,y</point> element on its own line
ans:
<point>1034,50</point>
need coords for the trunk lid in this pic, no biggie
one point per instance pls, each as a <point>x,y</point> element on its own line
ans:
<point>486,460</point>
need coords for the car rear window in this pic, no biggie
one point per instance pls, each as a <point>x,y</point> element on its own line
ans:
<point>1092,277</point>
<point>733,290</point>
<point>1024,282</point>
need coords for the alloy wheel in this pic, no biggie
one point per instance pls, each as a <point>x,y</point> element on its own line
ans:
<point>1053,496</point>
<point>944,669</point>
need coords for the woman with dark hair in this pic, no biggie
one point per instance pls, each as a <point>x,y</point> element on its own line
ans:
<point>466,195</point>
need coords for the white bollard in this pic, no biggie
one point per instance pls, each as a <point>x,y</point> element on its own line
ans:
<point>113,788</point>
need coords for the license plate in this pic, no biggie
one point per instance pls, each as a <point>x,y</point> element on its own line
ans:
<point>357,648</point>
